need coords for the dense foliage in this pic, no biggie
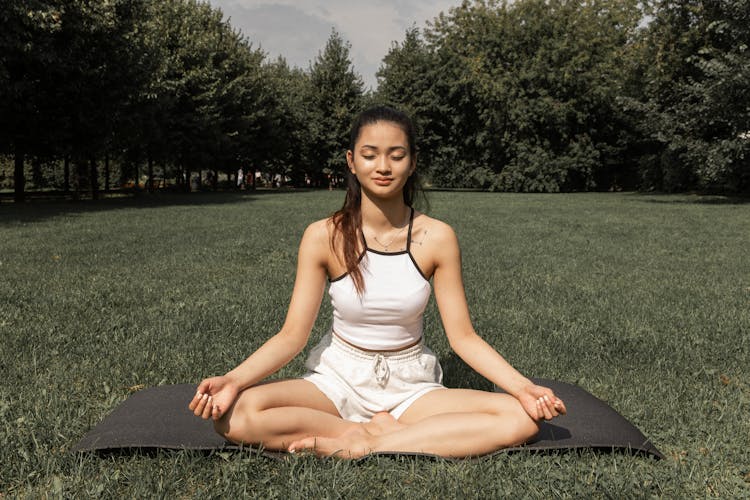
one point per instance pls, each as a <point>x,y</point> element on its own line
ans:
<point>523,93</point>
<point>530,95</point>
<point>556,95</point>
<point>693,110</point>
<point>169,85</point>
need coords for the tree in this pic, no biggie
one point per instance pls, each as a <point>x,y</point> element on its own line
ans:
<point>26,55</point>
<point>531,88</point>
<point>694,110</point>
<point>206,103</point>
<point>406,80</point>
<point>98,75</point>
<point>335,96</point>
<point>289,144</point>
<point>66,74</point>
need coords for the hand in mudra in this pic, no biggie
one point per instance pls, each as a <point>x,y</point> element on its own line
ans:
<point>541,403</point>
<point>214,397</point>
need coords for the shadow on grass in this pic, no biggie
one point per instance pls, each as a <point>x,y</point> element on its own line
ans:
<point>458,375</point>
<point>39,210</point>
<point>692,199</point>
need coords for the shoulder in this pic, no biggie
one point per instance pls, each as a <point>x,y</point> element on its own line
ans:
<point>434,244</point>
<point>319,230</point>
<point>434,231</point>
<point>316,239</point>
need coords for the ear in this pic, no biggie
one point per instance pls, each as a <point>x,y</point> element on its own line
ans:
<point>350,160</point>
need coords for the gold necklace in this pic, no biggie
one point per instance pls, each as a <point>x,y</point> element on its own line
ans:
<point>387,245</point>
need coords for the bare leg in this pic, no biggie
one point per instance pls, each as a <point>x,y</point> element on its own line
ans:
<point>449,422</point>
<point>278,413</point>
<point>383,423</point>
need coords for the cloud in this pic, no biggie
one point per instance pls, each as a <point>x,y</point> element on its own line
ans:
<point>280,30</point>
<point>299,30</point>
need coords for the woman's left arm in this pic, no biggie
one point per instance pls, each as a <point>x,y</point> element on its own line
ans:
<point>539,402</point>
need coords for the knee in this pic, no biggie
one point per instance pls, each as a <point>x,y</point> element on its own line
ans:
<point>522,427</point>
<point>527,428</point>
<point>235,425</point>
<point>221,426</point>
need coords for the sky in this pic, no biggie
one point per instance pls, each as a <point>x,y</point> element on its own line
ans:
<point>298,30</point>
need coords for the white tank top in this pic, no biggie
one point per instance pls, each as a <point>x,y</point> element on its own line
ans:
<point>388,315</point>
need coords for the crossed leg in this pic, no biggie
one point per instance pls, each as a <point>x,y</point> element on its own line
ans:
<point>278,413</point>
<point>445,422</point>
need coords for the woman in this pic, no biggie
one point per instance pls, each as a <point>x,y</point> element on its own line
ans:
<point>373,385</point>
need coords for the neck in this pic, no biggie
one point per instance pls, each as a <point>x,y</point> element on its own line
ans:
<point>383,215</point>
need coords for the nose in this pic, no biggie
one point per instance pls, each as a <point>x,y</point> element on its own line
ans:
<point>384,166</point>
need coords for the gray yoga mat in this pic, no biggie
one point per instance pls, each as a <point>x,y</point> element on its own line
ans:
<point>158,418</point>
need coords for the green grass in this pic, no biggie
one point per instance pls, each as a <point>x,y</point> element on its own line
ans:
<point>644,300</point>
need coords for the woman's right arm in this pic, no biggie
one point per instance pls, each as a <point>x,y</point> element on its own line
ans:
<point>215,395</point>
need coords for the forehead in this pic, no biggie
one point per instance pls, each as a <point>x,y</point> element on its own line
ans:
<point>382,134</point>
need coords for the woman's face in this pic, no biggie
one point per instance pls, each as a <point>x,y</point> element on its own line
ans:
<point>381,159</point>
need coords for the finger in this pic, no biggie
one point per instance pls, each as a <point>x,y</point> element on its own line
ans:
<point>549,403</point>
<point>542,408</point>
<point>539,410</point>
<point>196,399</point>
<point>560,406</point>
<point>204,386</point>
<point>198,410</point>
<point>201,405</point>
<point>215,412</point>
<point>547,413</point>
<point>208,407</point>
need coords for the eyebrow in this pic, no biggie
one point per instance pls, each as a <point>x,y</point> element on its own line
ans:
<point>367,146</point>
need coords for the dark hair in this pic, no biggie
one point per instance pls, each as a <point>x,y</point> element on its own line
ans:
<point>348,221</point>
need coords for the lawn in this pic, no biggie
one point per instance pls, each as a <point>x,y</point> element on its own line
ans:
<point>643,300</point>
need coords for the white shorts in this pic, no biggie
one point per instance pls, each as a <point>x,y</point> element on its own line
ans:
<point>363,383</point>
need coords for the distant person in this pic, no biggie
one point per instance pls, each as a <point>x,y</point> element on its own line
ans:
<point>240,178</point>
<point>372,384</point>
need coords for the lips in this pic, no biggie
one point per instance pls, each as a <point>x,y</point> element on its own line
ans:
<point>382,181</point>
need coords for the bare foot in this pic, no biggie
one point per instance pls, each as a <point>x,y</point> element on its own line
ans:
<point>383,423</point>
<point>354,443</point>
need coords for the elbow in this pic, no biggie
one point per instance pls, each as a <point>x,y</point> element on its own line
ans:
<point>459,342</point>
<point>294,341</point>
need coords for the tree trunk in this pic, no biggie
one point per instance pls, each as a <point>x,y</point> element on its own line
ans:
<point>36,173</point>
<point>66,174</point>
<point>150,174</point>
<point>93,179</point>
<point>106,173</point>
<point>77,182</point>
<point>19,181</point>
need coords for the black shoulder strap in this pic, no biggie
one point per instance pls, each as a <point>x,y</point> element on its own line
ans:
<point>408,234</point>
